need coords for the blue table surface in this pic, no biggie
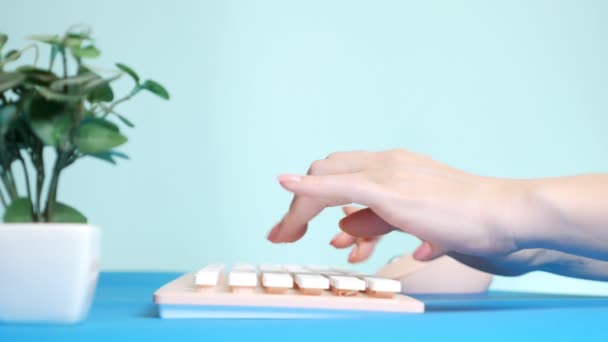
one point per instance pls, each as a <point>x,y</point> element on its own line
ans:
<point>123,310</point>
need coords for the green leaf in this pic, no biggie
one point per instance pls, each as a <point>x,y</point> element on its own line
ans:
<point>9,80</point>
<point>12,55</point>
<point>88,51</point>
<point>54,52</point>
<point>123,119</point>
<point>50,120</point>
<point>120,155</point>
<point>7,115</point>
<point>156,89</point>
<point>105,156</point>
<point>36,75</point>
<point>65,214</point>
<point>98,135</point>
<point>78,80</point>
<point>55,96</point>
<point>129,71</point>
<point>109,156</point>
<point>73,41</point>
<point>98,89</point>
<point>3,40</point>
<point>20,210</point>
<point>84,35</point>
<point>100,121</point>
<point>46,39</point>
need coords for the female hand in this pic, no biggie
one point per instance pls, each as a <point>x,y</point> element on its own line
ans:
<point>500,226</point>
<point>450,210</point>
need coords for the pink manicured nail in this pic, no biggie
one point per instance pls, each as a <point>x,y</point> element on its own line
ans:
<point>289,178</point>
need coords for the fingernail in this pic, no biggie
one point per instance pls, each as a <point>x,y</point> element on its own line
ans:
<point>288,178</point>
<point>333,241</point>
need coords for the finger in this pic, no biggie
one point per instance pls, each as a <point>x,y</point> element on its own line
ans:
<point>365,223</point>
<point>315,193</point>
<point>337,166</point>
<point>364,246</point>
<point>338,189</point>
<point>350,209</point>
<point>428,251</point>
<point>295,223</point>
<point>319,167</point>
<point>343,240</point>
<point>364,249</point>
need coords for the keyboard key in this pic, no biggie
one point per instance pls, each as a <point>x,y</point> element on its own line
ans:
<point>382,287</point>
<point>346,285</point>
<point>325,270</point>
<point>208,277</point>
<point>242,281</point>
<point>275,282</point>
<point>296,269</point>
<point>244,268</point>
<point>312,284</point>
<point>272,268</point>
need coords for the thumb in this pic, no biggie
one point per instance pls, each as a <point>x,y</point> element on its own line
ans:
<point>365,223</point>
<point>428,252</point>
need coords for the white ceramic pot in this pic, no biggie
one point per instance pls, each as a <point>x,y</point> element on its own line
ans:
<point>48,271</point>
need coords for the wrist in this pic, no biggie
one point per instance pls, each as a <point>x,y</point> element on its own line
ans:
<point>516,215</point>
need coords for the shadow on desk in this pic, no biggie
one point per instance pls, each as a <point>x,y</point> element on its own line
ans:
<point>504,300</point>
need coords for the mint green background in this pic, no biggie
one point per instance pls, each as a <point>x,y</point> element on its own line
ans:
<point>508,88</point>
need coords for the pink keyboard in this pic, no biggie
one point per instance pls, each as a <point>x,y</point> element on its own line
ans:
<point>280,291</point>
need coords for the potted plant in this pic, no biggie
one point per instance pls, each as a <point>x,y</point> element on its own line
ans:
<point>51,117</point>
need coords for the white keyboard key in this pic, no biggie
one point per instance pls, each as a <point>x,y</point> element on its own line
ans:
<point>297,269</point>
<point>272,279</point>
<point>344,271</point>
<point>244,268</point>
<point>208,276</point>
<point>319,268</point>
<point>346,286</point>
<point>242,279</point>
<point>382,285</point>
<point>311,281</point>
<point>325,270</point>
<point>278,283</point>
<point>271,268</point>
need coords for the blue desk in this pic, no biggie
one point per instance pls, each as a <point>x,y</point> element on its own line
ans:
<point>123,311</point>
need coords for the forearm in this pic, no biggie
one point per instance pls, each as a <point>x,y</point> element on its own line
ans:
<point>573,265</point>
<point>538,259</point>
<point>567,214</point>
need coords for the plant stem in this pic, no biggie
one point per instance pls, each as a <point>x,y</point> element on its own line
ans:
<point>12,182</point>
<point>52,195</point>
<point>10,186</point>
<point>71,159</point>
<point>38,161</point>
<point>110,109</point>
<point>2,199</point>
<point>64,59</point>
<point>27,186</point>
